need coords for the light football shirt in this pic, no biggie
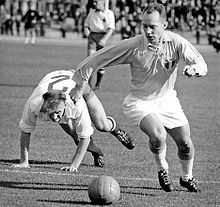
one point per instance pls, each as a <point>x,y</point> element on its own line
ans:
<point>153,70</point>
<point>57,80</point>
<point>100,21</point>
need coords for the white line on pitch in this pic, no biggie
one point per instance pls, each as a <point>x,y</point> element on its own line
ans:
<point>91,176</point>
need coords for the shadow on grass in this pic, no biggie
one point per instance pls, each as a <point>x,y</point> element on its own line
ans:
<point>43,186</point>
<point>132,188</point>
<point>40,162</point>
<point>37,162</point>
<point>47,186</point>
<point>67,202</point>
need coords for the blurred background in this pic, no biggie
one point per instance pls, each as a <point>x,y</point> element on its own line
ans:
<point>200,18</point>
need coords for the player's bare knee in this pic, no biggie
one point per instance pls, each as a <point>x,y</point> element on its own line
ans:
<point>157,144</point>
<point>186,150</point>
<point>156,147</point>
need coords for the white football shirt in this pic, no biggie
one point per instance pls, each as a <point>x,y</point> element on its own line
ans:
<point>98,21</point>
<point>153,70</point>
<point>56,80</point>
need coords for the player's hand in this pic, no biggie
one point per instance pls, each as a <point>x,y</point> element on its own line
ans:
<point>69,168</point>
<point>102,43</point>
<point>189,71</point>
<point>21,165</point>
<point>76,93</point>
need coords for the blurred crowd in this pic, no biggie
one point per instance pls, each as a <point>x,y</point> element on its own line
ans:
<point>183,15</point>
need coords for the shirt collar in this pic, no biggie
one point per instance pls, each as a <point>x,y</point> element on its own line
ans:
<point>157,48</point>
<point>98,10</point>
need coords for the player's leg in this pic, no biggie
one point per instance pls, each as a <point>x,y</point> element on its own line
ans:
<point>186,153</point>
<point>33,35</point>
<point>91,48</point>
<point>178,127</point>
<point>95,151</point>
<point>156,132</point>
<point>106,123</point>
<point>27,35</point>
<point>101,71</point>
<point>100,75</point>
<point>142,114</point>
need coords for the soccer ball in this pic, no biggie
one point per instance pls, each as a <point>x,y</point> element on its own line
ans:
<point>104,190</point>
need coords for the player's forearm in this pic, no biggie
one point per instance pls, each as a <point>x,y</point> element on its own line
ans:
<point>24,146</point>
<point>80,152</point>
<point>193,58</point>
<point>86,31</point>
<point>108,34</point>
<point>200,67</point>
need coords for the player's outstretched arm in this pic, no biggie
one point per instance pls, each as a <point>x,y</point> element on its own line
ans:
<point>78,156</point>
<point>24,148</point>
<point>77,92</point>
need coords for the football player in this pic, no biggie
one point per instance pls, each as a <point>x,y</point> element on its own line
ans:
<point>152,104</point>
<point>50,101</point>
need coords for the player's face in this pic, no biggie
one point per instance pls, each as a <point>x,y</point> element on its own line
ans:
<point>99,4</point>
<point>57,113</point>
<point>153,26</point>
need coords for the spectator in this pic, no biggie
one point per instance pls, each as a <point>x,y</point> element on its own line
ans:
<point>99,27</point>
<point>2,18</point>
<point>77,15</point>
<point>8,23</point>
<point>42,21</point>
<point>216,41</point>
<point>62,20</point>
<point>125,28</point>
<point>30,19</point>
<point>18,20</point>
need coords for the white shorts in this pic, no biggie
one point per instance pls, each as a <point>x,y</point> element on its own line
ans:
<point>166,108</point>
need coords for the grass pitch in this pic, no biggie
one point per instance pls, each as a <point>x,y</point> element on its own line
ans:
<point>22,67</point>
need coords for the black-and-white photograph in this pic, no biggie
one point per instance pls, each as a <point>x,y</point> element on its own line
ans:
<point>110,103</point>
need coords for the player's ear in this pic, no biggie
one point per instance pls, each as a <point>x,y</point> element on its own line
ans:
<point>165,24</point>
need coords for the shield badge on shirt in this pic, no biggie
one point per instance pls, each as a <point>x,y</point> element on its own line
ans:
<point>169,63</point>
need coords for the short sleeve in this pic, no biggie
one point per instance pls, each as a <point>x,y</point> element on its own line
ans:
<point>28,120</point>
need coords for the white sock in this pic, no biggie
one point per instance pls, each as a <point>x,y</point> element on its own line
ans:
<point>26,40</point>
<point>187,168</point>
<point>160,160</point>
<point>33,39</point>
<point>113,123</point>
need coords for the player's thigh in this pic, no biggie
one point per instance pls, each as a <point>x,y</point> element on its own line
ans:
<point>181,135</point>
<point>153,127</point>
<point>143,114</point>
<point>97,114</point>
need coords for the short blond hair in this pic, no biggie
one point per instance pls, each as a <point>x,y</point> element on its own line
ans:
<point>156,7</point>
<point>53,98</point>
